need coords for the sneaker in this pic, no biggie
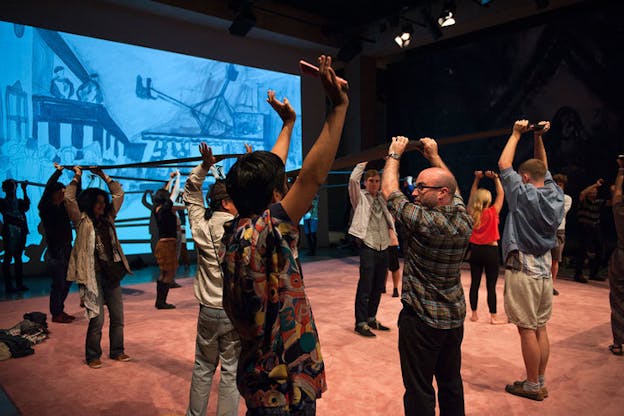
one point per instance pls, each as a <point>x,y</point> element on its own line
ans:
<point>395,293</point>
<point>364,330</point>
<point>517,389</point>
<point>123,358</point>
<point>375,324</point>
<point>555,292</point>
<point>95,363</point>
<point>580,279</point>
<point>61,319</point>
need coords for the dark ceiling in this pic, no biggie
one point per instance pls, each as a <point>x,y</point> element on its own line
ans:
<point>366,26</point>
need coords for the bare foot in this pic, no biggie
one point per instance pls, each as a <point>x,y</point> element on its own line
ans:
<point>474,317</point>
<point>495,321</point>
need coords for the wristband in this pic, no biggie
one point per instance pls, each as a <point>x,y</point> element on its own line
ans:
<point>393,155</point>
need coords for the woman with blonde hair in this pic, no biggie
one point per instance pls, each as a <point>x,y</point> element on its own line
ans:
<point>484,241</point>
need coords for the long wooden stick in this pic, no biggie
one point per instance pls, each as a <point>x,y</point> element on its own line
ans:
<point>157,163</point>
<point>380,151</point>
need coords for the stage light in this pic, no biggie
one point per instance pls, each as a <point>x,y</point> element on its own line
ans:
<point>404,38</point>
<point>447,16</point>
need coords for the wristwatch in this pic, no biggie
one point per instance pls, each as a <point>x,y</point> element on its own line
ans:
<point>394,156</point>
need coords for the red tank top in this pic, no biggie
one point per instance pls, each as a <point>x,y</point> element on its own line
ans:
<point>487,231</point>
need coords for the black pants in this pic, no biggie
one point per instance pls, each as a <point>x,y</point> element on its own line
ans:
<point>591,246</point>
<point>483,257</point>
<point>57,261</point>
<point>373,271</point>
<point>13,252</point>
<point>425,352</point>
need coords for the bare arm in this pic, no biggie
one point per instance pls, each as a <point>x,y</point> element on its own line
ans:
<point>322,154</point>
<point>539,152</point>
<point>473,189</point>
<point>507,156</point>
<point>585,191</point>
<point>144,200</point>
<point>390,177</point>
<point>288,116</point>
<point>500,192</point>
<point>430,152</point>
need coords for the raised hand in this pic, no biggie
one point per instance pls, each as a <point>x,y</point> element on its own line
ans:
<point>398,145</point>
<point>539,132</point>
<point>430,148</point>
<point>206,153</point>
<point>24,184</point>
<point>58,167</point>
<point>491,174</point>
<point>521,126</point>
<point>96,170</point>
<point>478,174</point>
<point>248,148</point>
<point>283,109</point>
<point>620,162</point>
<point>599,182</point>
<point>77,171</point>
<point>335,90</point>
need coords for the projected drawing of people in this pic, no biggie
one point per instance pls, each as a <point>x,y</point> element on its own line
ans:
<point>89,91</point>
<point>61,86</point>
<point>14,230</point>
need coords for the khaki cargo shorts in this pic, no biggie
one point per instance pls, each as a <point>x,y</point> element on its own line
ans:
<point>528,301</point>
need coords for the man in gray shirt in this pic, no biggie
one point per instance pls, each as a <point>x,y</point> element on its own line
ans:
<point>371,224</point>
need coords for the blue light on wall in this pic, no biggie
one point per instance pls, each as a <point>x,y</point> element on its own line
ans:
<point>78,100</point>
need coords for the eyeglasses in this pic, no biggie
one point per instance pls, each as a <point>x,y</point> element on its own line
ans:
<point>421,186</point>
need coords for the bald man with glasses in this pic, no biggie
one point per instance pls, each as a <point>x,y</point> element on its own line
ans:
<point>431,324</point>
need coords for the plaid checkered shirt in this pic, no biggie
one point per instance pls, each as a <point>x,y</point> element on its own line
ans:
<point>437,239</point>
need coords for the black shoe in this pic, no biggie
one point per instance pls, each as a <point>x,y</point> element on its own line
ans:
<point>377,325</point>
<point>165,306</point>
<point>395,293</point>
<point>580,279</point>
<point>555,292</point>
<point>364,330</point>
<point>174,285</point>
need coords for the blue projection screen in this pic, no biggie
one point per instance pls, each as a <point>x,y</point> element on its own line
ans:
<point>78,100</point>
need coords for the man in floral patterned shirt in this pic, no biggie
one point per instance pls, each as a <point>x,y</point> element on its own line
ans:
<point>280,370</point>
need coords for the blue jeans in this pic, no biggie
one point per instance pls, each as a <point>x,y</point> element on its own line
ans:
<point>111,297</point>
<point>217,340</point>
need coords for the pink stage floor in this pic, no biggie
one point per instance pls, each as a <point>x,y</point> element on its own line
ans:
<point>363,375</point>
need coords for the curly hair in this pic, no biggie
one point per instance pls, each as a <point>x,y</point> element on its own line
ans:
<point>88,198</point>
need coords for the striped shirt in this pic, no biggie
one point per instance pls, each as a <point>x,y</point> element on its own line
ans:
<point>437,242</point>
<point>589,211</point>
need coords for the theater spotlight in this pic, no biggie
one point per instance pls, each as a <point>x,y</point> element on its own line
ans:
<point>447,16</point>
<point>404,38</point>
